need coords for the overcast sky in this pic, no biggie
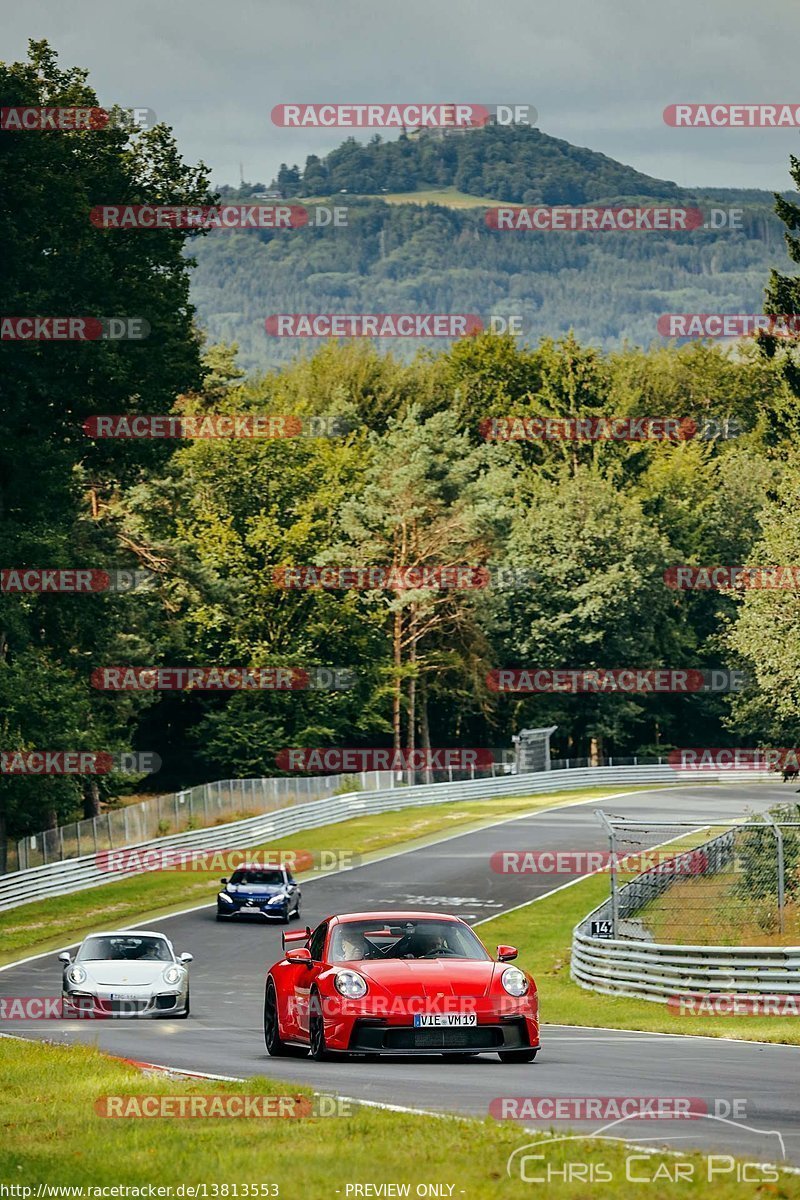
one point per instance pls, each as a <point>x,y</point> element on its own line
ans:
<point>599,72</point>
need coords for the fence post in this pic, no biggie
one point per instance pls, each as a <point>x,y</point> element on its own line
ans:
<point>781,882</point>
<point>604,821</point>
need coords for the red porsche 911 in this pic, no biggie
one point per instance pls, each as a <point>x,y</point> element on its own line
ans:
<point>398,983</point>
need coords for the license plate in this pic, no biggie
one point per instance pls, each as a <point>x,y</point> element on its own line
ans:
<point>444,1020</point>
<point>124,996</point>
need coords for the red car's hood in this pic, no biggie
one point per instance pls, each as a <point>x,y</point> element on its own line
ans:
<point>434,977</point>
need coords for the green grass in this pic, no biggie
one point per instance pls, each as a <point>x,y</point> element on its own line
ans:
<point>543,932</point>
<point>52,1134</point>
<point>46,924</point>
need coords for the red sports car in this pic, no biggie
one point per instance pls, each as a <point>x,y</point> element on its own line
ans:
<point>402,983</point>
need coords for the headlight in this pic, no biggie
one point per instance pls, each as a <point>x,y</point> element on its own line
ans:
<point>281,898</point>
<point>350,985</point>
<point>514,981</point>
<point>172,975</point>
<point>76,975</point>
<point>224,896</point>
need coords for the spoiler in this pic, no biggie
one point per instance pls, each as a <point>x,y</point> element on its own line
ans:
<point>289,939</point>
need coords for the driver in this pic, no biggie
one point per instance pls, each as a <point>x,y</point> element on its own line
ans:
<point>431,945</point>
<point>152,952</point>
<point>353,946</point>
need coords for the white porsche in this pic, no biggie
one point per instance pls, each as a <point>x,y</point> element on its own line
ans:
<point>130,973</point>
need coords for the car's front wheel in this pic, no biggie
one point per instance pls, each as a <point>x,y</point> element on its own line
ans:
<point>276,1047</point>
<point>182,1016</point>
<point>517,1056</point>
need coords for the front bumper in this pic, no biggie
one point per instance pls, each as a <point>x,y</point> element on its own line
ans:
<point>373,1036</point>
<point>242,909</point>
<point>375,1026</point>
<point>98,1006</point>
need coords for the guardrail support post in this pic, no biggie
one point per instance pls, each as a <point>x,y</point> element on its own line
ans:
<point>609,828</point>
<point>781,881</point>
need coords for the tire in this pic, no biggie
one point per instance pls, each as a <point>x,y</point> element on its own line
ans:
<point>276,1047</point>
<point>316,1031</point>
<point>182,1016</point>
<point>517,1056</point>
<point>297,911</point>
<point>286,918</point>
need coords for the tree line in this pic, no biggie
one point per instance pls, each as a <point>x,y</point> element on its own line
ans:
<point>406,479</point>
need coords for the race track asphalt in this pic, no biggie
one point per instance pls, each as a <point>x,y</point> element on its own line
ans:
<point>224,1034</point>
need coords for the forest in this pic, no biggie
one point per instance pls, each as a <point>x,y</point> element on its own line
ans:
<point>387,462</point>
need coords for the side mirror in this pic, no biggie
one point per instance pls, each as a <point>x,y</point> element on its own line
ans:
<point>186,958</point>
<point>223,881</point>
<point>65,958</point>
<point>506,953</point>
<point>301,956</point>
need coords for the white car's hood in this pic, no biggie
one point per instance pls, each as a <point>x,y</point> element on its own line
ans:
<point>114,973</point>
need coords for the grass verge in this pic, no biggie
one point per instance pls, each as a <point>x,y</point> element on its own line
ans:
<point>53,1135</point>
<point>46,924</point>
<point>543,932</point>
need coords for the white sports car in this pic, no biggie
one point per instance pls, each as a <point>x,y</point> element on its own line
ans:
<point>131,973</point>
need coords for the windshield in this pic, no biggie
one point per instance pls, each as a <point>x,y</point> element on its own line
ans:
<point>355,941</point>
<point>270,878</point>
<point>123,947</point>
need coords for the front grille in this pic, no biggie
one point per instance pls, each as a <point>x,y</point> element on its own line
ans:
<point>166,1001</point>
<point>441,1039</point>
<point>128,1007</point>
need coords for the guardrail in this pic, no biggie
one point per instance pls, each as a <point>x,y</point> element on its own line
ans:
<point>77,874</point>
<point>658,970</point>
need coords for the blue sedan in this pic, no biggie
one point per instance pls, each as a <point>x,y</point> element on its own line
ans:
<point>259,892</point>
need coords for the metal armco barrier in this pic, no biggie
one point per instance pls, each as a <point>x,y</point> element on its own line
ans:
<point>653,971</point>
<point>659,970</point>
<point>73,875</point>
<point>77,874</point>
